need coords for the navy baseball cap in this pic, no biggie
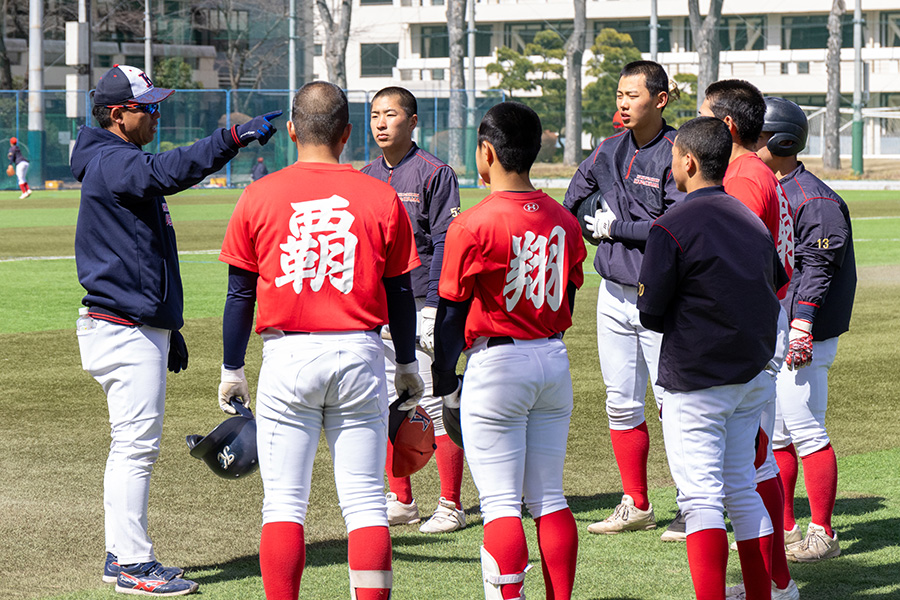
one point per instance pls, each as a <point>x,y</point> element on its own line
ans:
<point>123,84</point>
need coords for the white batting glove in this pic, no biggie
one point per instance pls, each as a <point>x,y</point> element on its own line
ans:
<point>234,384</point>
<point>426,334</point>
<point>452,400</point>
<point>600,224</point>
<point>407,379</point>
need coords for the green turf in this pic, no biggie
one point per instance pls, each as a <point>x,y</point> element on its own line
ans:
<point>54,440</point>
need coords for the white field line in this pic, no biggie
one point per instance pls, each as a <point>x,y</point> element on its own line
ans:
<point>27,258</point>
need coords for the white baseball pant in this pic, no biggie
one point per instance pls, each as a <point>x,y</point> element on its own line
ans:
<point>314,382</point>
<point>769,469</point>
<point>709,436</point>
<point>803,400</point>
<point>629,355</point>
<point>515,410</point>
<point>129,363</point>
<point>22,173</point>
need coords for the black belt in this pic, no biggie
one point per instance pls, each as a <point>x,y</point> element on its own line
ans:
<point>505,339</point>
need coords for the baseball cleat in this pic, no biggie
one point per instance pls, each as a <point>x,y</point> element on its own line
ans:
<point>626,517</point>
<point>789,593</point>
<point>815,546</point>
<point>152,579</point>
<point>111,569</point>
<point>399,513</point>
<point>676,531</point>
<point>446,518</point>
<point>792,536</point>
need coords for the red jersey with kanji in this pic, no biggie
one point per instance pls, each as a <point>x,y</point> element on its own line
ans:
<point>321,237</point>
<point>514,255</point>
<point>749,180</point>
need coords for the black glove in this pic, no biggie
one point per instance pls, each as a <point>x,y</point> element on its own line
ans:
<point>258,128</point>
<point>178,354</point>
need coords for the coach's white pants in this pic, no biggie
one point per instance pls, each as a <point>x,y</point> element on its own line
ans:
<point>803,400</point>
<point>130,364</point>
<point>310,383</point>
<point>629,355</point>
<point>22,171</point>
<point>515,410</point>
<point>709,436</point>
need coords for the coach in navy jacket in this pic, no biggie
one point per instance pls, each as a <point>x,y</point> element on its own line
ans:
<point>127,261</point>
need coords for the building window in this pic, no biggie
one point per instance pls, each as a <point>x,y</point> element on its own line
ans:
<point>890,30</point>
<point>785,68</point>
<point>808,32</point>
<point>803,68</point>
<point>364,2</point>
<point>435,42</point>
<point>317,50</point>
<point>378,60</point>
<point>518,35</point>
<point>639,30</point>
<point>743,33</point>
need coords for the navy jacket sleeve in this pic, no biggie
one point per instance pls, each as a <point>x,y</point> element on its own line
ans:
<point>583,183</point>
<point>443,206</point>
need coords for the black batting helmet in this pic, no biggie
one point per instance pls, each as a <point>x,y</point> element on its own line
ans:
<point>229,449</point>
<point>788,125</point>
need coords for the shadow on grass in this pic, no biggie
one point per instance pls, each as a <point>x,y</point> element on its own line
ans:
<point>842,506</point>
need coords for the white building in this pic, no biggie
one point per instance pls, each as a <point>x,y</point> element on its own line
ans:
<point>778,46</point>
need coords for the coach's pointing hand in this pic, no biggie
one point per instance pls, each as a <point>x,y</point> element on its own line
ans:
<point>259,128</point>
<point>234,384</point>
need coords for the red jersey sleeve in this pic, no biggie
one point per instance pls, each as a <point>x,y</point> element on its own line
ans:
<point>239,249</point>
<point>401,256</point>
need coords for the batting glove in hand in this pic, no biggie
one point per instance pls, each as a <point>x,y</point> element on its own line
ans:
<point>452,400</point>
<point>800,344</point>
<point>426,335</point>
<point>234,385</point>
<point>600,223</point>
<point>258,128</point>
<point>407,379</point>
<point>178,354</point>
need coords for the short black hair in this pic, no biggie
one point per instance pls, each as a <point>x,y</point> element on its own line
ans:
<point>404,96</point>
<point>515,132</point>
<point>743,102</point>
<point>708,140</point>
<point>103,116</point>
<point>655,77</point>
<point>320,114</point>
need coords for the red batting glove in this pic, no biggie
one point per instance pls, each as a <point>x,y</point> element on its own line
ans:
<point>800,344</point>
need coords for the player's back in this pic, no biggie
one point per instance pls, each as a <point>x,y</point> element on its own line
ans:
<point>322,237</point>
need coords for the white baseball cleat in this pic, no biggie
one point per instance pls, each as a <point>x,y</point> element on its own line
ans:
<point>816,546</point>
<point>792,536</point>
<point>399,513</point>
<point>446,518</point>
<point>789,593</point>
<point>676,531</point>
<point>626,517</point>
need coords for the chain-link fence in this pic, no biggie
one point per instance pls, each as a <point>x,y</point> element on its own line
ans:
<point>881,132</point>
<point>193,114</point>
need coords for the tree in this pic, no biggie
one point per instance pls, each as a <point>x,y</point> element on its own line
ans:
<point>831,155</point>
<point>336,20</point>
<point>574,54</point>
<point>174,73</point>
<point>456,15</point>
<point>611,52</point>
<point>706,40</point>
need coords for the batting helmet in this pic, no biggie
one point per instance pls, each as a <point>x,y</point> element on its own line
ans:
<point>589,206</point>
<point>788,125</point>
<point>411,439</point>
<point>451,419</point>
<point>229,449</point>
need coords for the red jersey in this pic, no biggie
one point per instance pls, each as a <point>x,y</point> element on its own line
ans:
<point>321,237</point>
<point>749,180</point>
<point>514,255</point>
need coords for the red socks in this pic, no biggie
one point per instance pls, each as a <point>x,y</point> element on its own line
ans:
<point>756,554</point>
<point>772,496</point>
<point>504,539</point>
<point>282,554</point>
<point>558,541</point>
<point>369,549</point>
<point>707,552</point>
<point>631,447</point>
<point>820,475</point>
<point>788,467</point>
<point>398,485</point>
<point>449,458</point>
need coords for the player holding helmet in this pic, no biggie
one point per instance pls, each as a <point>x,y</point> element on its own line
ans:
<point>819,302</point>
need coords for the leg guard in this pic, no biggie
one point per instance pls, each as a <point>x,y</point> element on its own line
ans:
<point>493,580</point>
<point>378,580</point>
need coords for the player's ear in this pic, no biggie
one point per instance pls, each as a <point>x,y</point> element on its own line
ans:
<point>732,127</point>
<point>115,115</point>
<point>488,152</point>
<point>291,132</point>
<point>662,99</point>
<point>346,135</point>
<point>413,121</point>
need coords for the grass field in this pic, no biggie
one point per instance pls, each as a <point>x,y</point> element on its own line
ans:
<point>54,439</point>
